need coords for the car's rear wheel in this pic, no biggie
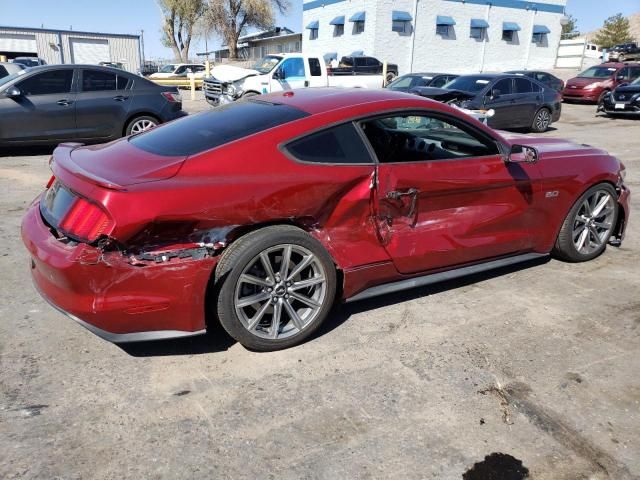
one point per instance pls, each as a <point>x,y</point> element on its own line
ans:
<point>141,124</point>
<point>275,287</point>
<point>541,120</point>
<point>622,57</point>
<point>589,225</point>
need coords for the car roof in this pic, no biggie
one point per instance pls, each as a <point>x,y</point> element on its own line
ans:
<point>43,68</point>
<point>326,99</point>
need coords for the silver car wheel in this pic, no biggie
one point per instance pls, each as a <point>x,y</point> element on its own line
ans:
<point>142,125</point>
<point>280,291</point>
<point>594,221</point>
<point>543,120</point>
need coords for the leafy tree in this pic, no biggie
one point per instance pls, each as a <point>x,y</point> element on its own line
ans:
<point>569,29</point>
<point>180,17</point>
<point>614,31</point>
<point>228,18</point>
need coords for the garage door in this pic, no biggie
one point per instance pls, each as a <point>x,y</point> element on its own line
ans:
<point>85,50</point>
<point>17,42</point>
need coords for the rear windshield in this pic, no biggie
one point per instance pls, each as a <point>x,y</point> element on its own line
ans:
<point>207,130</point>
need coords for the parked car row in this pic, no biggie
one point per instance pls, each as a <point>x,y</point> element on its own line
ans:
<point>87,103</point>
<point>595,82</point>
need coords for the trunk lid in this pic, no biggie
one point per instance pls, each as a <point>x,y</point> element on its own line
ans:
<point>115,165</point>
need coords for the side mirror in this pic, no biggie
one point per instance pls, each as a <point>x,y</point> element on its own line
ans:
<point>278,74</point>
<point>620,78</point>
<point>495,93</point>
<point>523,154</point>
<point>12,92</point>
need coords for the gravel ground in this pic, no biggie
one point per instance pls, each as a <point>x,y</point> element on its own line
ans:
<point>537,363</point>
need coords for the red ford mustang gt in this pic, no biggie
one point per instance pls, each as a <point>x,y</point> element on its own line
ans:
<point>262,213</point>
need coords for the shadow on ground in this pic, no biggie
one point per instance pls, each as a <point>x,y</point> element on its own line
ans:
<point>217,340</point>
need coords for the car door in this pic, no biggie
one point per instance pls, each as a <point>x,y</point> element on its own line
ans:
<point>501,98</point>
<point>289,75</point>
<point>44,111</point>
<point>102,103</point>
<point>444,195</point>
<point>528,98</point>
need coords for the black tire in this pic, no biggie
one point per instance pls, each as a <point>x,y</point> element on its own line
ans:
<point>541,120</point>
<point>140,120</point>
<point>565,249</point>
<point>601,97</point>
<point>621,57</point>
<point>390,77</point>
<point>240,255</point>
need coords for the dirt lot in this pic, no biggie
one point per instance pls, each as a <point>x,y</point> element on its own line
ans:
<point>539,362</point>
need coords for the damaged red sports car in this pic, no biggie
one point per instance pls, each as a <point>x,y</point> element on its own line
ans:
<point>261,214</point>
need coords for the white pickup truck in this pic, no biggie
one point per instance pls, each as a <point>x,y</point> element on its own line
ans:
<point>275,73</point>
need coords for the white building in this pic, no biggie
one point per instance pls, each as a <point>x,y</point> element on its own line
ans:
<point>457,36</point>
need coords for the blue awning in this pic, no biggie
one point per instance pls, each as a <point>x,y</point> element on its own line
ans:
<point>337,21</point>
<point>541,29</point>
<point>358,17</point>
<point>399,16</point>
<point>510,27</point>
<point>314,25</point>
<point>330,56</point>
<point>479,23</point>
<point>444,20</point>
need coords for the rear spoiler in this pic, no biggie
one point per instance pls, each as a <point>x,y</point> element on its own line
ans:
<point>61,164</point>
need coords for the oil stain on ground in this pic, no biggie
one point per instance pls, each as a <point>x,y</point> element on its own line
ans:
<point>497,466</point>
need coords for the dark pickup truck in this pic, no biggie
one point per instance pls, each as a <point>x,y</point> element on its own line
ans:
<point>354,65</point>
<point>624,52</point>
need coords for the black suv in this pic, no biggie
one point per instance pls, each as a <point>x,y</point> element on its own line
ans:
<point>624,52</point>
<point>354,65</point>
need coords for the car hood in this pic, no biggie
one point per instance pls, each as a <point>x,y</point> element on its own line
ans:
<point>441,94</point>
<point>229,73</point>
<point>115,165</point>
<point>549,146</point>
<point>583,82</point>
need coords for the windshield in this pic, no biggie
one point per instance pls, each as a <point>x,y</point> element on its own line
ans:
<point>13,76</point>
<point>597,72</point>
<point>266,64</point>
<point>635,82</point>
<point>168,68</point>
<point>468,83</point>
<point>27,62</point>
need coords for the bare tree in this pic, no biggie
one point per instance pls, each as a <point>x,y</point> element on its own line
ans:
<point>229,18</point>
<point>180,17</point>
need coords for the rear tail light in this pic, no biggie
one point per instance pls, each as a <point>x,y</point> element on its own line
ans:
<point>86,221</point>
<point>172,97</point>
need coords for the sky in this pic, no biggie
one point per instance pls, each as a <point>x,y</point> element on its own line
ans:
<point>132,16</point>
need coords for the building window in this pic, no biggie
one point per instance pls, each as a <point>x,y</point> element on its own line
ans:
<point>507,35</point>
<point>358,27</point>
<point>313,34</point>
<point>400,26</point>
<point>538,38</point>
<point>477,33</point>
<point>442,30</point>
<point>338,31</point>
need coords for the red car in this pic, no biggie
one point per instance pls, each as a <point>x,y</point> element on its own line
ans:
<point>262,213</point>
<point>595,82</point>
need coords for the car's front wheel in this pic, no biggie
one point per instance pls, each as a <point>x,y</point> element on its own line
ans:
<point>275,287</point>
<point>588,226</point>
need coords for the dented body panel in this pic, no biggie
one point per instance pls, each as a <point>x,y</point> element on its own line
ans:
<point>174,216</point>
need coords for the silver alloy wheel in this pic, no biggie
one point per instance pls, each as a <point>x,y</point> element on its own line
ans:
<point>280,291</point>
<point>543,119</point>
<point>141,125</point>
<point>593,222</point>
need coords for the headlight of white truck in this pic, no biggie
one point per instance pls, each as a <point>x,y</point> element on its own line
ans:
<point>230,90</point>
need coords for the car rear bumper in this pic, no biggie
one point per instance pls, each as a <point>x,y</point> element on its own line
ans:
<point>110,296</point>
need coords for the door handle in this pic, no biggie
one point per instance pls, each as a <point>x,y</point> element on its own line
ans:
<point>411,192</point>
<point>397,194</point>
<point>120,98</point>
<point>64,103</point>
<point>306,83</point>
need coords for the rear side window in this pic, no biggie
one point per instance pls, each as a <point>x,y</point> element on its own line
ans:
<point>56,81</point>
<point>504,86</point>
<point>207,130</point>
<point>3,72</point>
<point>314,67</point>
<point>523,85</point>
<point>97,81</point>
<point>341,144</point>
